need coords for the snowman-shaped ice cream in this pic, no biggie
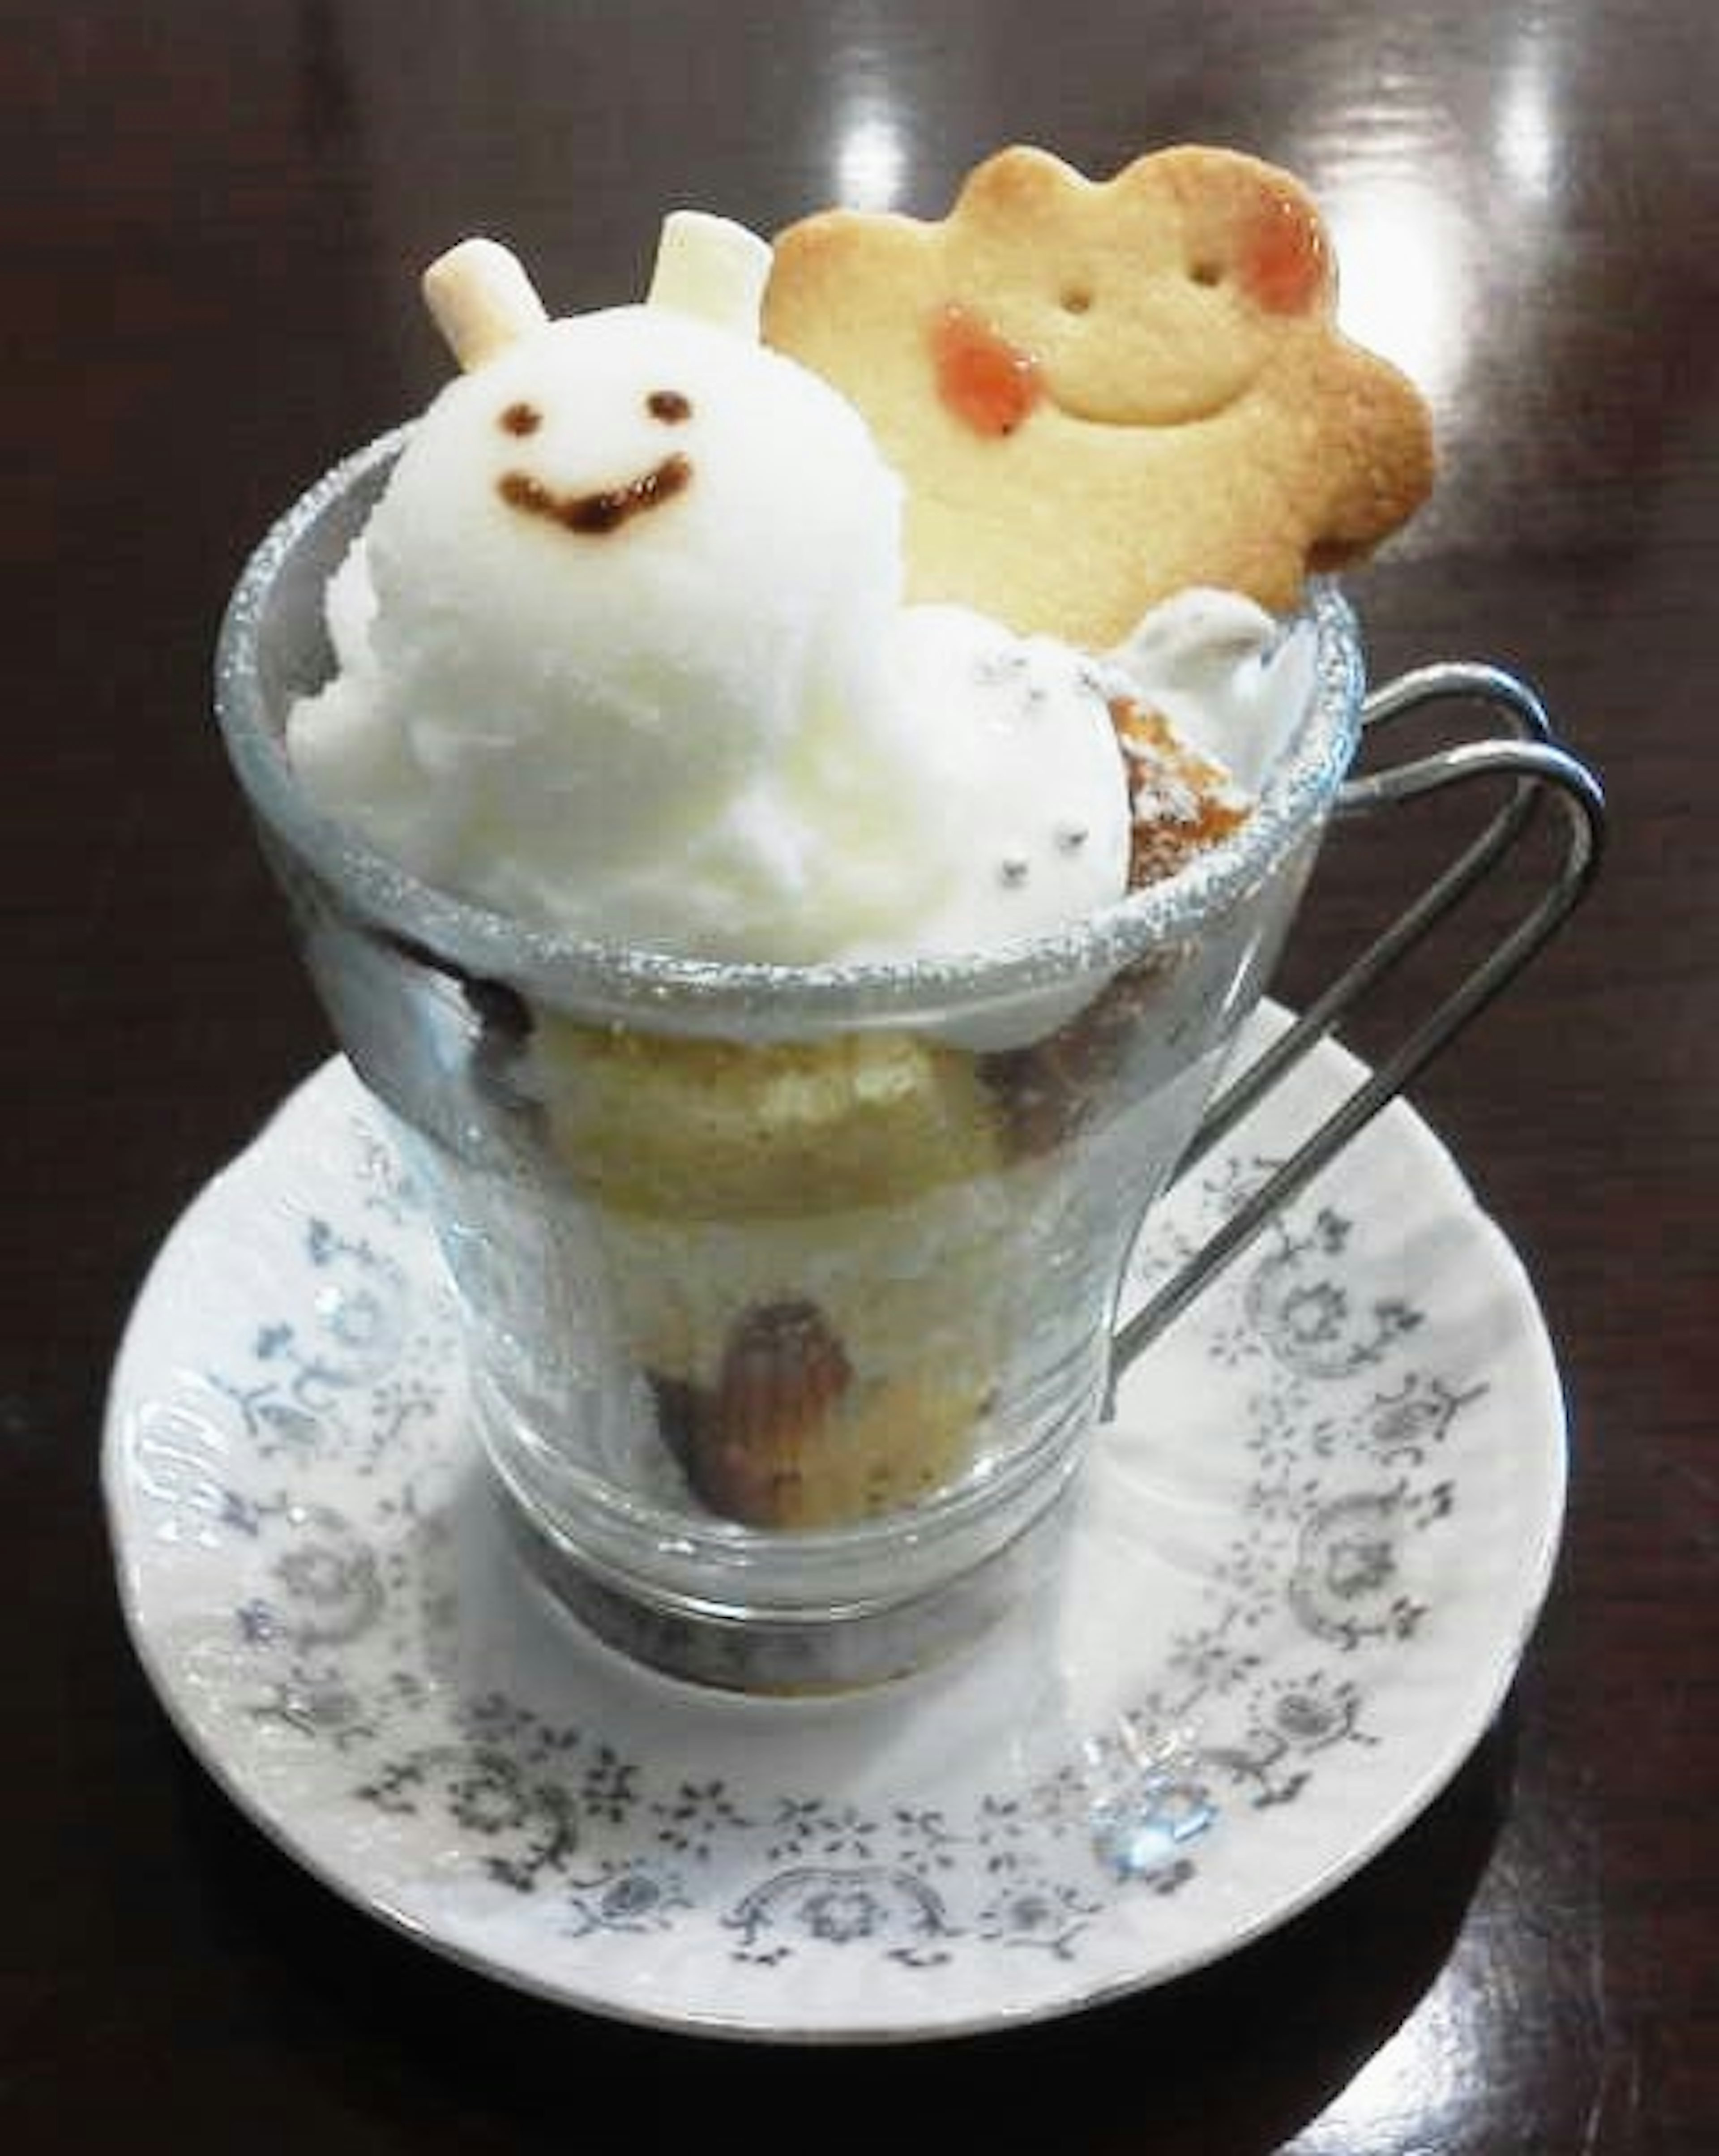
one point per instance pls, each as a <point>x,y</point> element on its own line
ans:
<point>621,652</point>
<point>611,646</point>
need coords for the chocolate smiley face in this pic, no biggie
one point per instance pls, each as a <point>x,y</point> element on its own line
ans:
<point>597,511</point>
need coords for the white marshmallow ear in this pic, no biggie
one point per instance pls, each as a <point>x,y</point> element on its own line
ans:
<point>711,267</point>
<point>482,300</point>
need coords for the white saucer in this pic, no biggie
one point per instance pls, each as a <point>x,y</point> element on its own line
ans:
<point>1307,1557</point>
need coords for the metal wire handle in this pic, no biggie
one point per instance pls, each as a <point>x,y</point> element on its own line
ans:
<point>1539,766</point>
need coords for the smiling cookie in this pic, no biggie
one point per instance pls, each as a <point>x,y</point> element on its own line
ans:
<point>1101,393</point>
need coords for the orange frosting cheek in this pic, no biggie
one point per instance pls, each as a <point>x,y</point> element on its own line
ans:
<point>988,383</point>
<point>1282,261</point>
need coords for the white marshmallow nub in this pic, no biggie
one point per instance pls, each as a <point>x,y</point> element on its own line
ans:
<point>482,300</point>
<point>712,269</point>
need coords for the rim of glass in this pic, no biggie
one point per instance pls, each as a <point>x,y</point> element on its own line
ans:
<point>596,975</point>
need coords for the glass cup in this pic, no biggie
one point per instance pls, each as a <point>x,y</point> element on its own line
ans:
<point>787,1294</point>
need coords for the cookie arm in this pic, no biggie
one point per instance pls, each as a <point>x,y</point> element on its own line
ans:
<point>1382,465</point>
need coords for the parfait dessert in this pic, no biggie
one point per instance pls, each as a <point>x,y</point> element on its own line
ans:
<point>846,608</point>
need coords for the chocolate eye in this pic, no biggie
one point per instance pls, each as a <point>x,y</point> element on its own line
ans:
<point>520,419</point>
<point>669,406</point>
<point>1076,300</point>
<point>1206,272</point>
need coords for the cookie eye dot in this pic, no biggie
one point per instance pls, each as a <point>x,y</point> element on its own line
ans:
<point>669,406</point>
<point>522,418</point>
<point>1205,272</point>
<point>1076,299</point>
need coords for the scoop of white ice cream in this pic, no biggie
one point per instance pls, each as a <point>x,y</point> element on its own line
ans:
<point>611,647</point>
<point>1016,740</point>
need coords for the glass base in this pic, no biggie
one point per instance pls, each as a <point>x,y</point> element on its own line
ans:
<point>790,1652</point>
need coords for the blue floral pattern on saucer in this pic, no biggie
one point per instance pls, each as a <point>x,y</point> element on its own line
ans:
<point>1307,1552</point>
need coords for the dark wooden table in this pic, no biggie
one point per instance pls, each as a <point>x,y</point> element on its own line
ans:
<point>212,219</point>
